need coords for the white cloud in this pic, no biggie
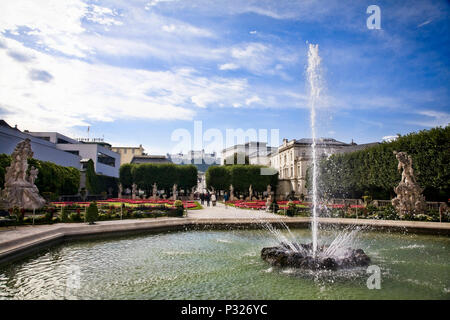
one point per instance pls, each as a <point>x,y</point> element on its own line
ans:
<point>432,118</point>
<point>389,138</point>
<point>228,66</point>
<point>253,99</point>
<point>58,93</point>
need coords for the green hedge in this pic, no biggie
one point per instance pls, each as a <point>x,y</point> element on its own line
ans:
<point>374,170</point>
<point>164,175</point>
<point>241,177</point>
<point>52,178</point>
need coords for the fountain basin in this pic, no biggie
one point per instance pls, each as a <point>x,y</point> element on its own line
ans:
<point>297,255</point>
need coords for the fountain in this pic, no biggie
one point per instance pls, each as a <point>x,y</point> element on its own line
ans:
<point>338,254</point>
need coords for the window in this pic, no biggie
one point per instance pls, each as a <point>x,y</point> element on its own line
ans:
<point>62,141</point>
<point>105,159</point>
<point>132,151</point>
<point>76,152</point>
<point>124,151</point>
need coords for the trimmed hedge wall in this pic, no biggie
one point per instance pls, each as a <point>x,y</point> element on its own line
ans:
<point>52,178</point>
<point>241,177</point>
<point>374,171</point>
<point>164,175</point>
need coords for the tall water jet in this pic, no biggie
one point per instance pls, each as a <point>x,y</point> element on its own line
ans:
<point>339,253</point>
<point>313,76</point>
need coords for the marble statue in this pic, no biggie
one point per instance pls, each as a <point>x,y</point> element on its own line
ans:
<point>409,194</point>
<point>119,195</point>
<point>250,193</point>
<point>269,189</point>
<point>231,193</point>
<point>191,197</point>
<point>174,192</point>
<point>154,191</point>
<point>133,191</point>
<point>20,190</point>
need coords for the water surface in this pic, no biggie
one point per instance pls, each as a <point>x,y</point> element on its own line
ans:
<point>223,265</point>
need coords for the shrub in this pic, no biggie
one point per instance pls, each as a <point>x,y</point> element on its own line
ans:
<point>178,204</point>
<point>64,215</point>
<point>91,213</point>
<point>292,209</point>
<point>75,216</point>
<point>273,207</point>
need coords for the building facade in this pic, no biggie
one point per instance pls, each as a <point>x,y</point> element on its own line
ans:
<point>201,159</point>
<point>294,157</point>
<point>44,150</point>
<point>127,153</point>
<point>106,161</point>
<point>258,152</point>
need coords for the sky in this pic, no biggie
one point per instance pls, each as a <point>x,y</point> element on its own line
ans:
<point>140,72</point>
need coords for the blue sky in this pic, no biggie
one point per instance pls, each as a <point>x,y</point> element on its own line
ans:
<point>135,71</point>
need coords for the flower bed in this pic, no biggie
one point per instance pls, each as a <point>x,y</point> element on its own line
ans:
<point>117,202</point>
<point>261,204</point>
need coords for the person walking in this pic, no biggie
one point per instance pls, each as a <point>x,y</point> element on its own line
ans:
<point>213,199</point>
<point>225,199</point>
<point>208,198</point>
<point>202,198</point>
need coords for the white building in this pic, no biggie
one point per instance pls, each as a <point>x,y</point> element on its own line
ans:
<point>43,150</point>
<point>294,157</point>
<point>106,162</point>
<point>201,159</point>
<point>257,152</point>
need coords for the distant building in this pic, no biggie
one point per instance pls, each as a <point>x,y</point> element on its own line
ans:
<point>43,149</point>
<point>201,159</point>
<point>293,158</point>
<point>258,152</point>
<point>127,153</point>
<point>150,159</point>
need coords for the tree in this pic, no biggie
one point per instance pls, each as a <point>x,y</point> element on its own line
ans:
<point>236,159</point>
<point>374,170</point>
<point>218,177</point>
<point>125,175</point>
<point>92,183</point>
<point>91,213</point>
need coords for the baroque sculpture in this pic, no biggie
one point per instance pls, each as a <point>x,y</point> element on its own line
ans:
<point>174,191</point>
<point>133,191</point>
<point>154,191</point>
<point>409,194</point>
<point>20,190</point>
<point>120,191</point>
<point>231,193</point>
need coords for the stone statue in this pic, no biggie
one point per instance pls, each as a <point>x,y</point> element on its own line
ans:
<point>191,196</point>
<point>133,191</point>
<point>174,192</point>
<point>409,194</point>
<point>154,191</point>
<point>119,195</point>
<point>250,193</point>
<point>231,193</point>
<point>269,190</point>
<point>20,190</point>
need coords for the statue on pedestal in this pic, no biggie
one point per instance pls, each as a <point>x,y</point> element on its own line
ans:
<point>409,198</point>
<point>174,192</point>
<point>119,194</point>
<point>134,191</point>
<point>20,190</point>
<point>250,193</point>
<point>191,196</point>
<point>231,193</point>
<point>154,191</point>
